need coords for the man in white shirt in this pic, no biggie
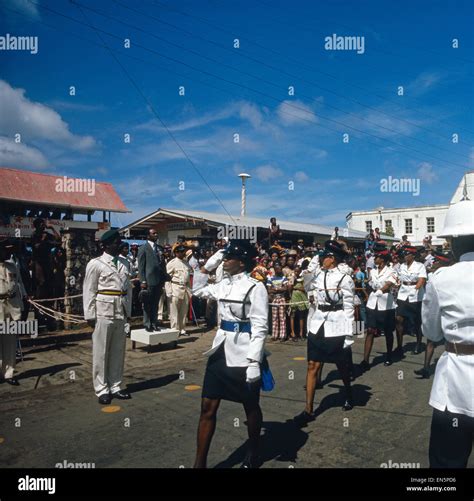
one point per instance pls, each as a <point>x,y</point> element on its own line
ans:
<point>412,276</point>
<point>448,312</point>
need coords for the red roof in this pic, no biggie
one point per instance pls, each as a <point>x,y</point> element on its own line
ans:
<point>46,189</point>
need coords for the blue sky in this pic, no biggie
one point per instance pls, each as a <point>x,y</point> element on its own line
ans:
<point>283,138</point>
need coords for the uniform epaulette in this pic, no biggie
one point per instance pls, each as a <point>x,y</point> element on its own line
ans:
<point>254,280</point>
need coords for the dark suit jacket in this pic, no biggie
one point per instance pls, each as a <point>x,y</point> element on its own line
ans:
<point>151,269</point>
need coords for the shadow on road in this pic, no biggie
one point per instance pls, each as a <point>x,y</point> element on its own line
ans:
<point>279,442</point>
<point>361,394</point>
<point>50,371</point>
<point>149,384</point>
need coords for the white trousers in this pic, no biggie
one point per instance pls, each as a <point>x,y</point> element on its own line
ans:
<point>178,312</point>
<point>7,355</point>
<point>161,306</point>
<point>108,355</point>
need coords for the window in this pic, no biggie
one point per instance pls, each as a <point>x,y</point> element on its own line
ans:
<point>408,226</point>
<point>388,224</point>
<point>430,224</point>
<point>368,226</point>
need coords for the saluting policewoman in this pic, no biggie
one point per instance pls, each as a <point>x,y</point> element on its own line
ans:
<point>233,370</point>
<point>331,325</point>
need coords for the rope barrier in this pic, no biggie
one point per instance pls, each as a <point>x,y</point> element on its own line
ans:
<point>57,315</point>
<point>57,298</point>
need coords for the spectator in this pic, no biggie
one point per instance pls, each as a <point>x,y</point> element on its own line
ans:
<point>274,232</point>
<point>278,286</point>
<point>299,304</point>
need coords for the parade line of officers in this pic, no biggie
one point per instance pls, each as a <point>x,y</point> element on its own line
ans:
<point>403,298</point>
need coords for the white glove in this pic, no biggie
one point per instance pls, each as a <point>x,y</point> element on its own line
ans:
<point>253,372</point>
<point>379,293</point>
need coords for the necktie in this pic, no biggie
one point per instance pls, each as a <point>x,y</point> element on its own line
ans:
<point>115,261</point>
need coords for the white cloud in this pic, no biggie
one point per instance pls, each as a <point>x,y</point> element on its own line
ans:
<point>35,121</point>
<point>20,155</point>
<point>423,83</point>
<point>245,110</point>
<point>72,106</point>
<point>295,112</point>
<point>301,176</point>
<point>426,173</point>
<point>267,172</point>
<point>23,6</point>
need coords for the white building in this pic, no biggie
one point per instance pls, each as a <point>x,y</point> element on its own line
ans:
<point>415,222</point>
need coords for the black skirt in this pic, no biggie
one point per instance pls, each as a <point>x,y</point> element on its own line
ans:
<point>228,383</point>
<point>411,312</point>
<point>382,320</point>
<point>326,349</point>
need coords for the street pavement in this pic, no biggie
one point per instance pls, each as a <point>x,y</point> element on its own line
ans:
<point>54,416</point>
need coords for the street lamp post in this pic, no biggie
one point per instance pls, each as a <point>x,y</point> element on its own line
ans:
<point>244,177</point>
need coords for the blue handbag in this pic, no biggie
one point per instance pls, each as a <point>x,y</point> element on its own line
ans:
<point>268,383</point>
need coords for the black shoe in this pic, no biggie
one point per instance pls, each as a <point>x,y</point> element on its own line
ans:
<point>156,328</point>
<point>12,381</point>
<point>348,405</point>
<point>105,399</point>
<point>388,361</point>
<point>417,350</point>
<point>304,418</point>
<point>250,462</point>
<point>365,366</point>
<point>423,372</point>
<point>149,329</point>
<point>122,395</point>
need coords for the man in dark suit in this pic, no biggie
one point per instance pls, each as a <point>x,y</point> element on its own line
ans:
<point>152,274</point>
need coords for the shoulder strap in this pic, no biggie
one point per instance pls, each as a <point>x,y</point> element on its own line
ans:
<point>244,300</point>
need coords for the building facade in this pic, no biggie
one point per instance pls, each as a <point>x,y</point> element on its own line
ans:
<point>414,222</point>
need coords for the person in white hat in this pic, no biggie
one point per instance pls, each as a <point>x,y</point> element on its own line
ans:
<point>179,288</point>
<point>448,312</point>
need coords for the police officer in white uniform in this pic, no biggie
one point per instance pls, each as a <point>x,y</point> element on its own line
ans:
<point>448,312</point>
<point>179,288</point>
<point>107,298</point>
<point>330,328</point>
<point>11,305</point>
<point>233,370</point>
<point>381,305</point>
<point>412,277</point>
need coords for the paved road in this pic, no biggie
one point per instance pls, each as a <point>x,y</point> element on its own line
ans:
<point>54,417</point>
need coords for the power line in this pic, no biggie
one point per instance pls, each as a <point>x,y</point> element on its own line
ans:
<point>423,49</point>
<point>304,65</point>
<point>276,85</point>
<point>257,91</point>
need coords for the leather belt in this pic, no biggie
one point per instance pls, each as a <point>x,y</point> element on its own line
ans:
<point>409,283</point>
<point>110,292</point>
<point>459,348</point>
<point>8,295</point>
<point>230,325</point>
<point>326,307</point>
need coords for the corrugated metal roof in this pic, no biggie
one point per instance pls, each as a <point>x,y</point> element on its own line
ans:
<point>37,188</point>
<point>224,219</point>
